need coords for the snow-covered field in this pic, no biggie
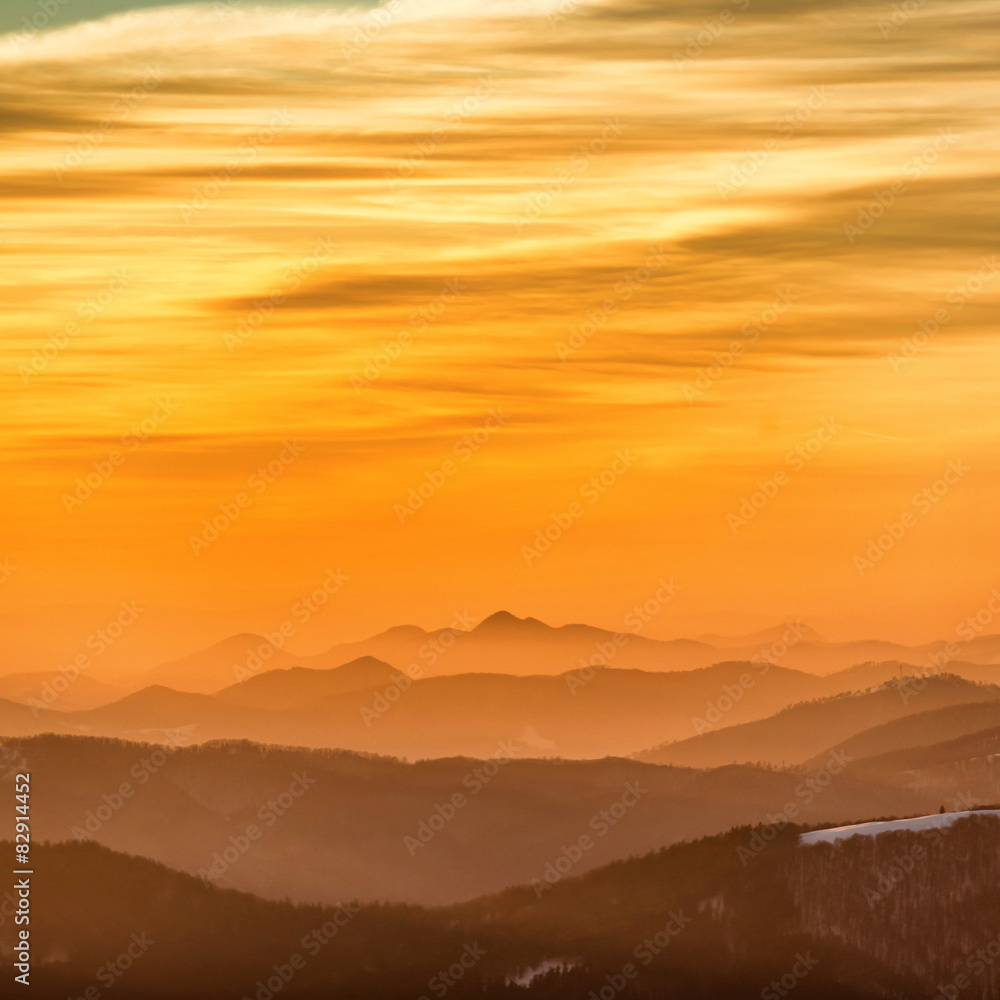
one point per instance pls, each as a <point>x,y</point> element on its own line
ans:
<point>874,829</point>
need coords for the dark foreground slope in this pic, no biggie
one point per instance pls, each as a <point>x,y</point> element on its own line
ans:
<point>698,920</point>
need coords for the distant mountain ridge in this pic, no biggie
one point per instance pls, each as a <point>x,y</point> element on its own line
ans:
<point>807,730</point>
<point>368,705</point>
<point>581,714</point>
<point>504,643</point>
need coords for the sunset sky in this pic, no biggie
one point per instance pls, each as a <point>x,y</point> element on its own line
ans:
<point>346,240</point>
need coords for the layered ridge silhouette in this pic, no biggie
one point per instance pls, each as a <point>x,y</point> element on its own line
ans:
<point>317,825</point>
<point>696,920</point>
<point>503,643</point>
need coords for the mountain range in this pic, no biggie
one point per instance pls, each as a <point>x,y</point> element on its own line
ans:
<point>800,732</point>
<point>504,643</point>
<point>368,705</point>
<point>338,824</point>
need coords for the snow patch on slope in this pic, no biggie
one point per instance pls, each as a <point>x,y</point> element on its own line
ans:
<point>934,821</point>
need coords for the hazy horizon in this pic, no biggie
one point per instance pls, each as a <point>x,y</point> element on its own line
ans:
<point>419,313</point>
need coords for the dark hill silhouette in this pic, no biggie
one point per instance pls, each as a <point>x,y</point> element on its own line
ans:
<point>692,922</point>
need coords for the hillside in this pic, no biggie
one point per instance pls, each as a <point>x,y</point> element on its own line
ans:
<point>286,688</point>
<point>802,731</point>
<point>588,715</point>
<point>333,824</point>
<point>925,728</point>
<point>50,689</point>
<point>692,922</point>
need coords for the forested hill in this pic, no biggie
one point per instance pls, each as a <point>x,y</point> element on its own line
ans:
<point>723,917</point>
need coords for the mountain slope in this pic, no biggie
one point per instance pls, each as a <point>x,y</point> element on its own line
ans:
<point>51,689</point>
<point>798,733</point>
<point>331,825</point>
<point>922,729</point>
<point>295,686</point>
<point>586,713</point>
<point>220,665</point>
<point>582,714</point>
<point>689,923</point>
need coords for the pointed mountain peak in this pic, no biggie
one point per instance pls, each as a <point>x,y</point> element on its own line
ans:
<point>504,623</point>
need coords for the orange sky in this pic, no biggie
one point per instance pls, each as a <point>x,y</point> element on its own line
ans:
<point>533,232</point>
